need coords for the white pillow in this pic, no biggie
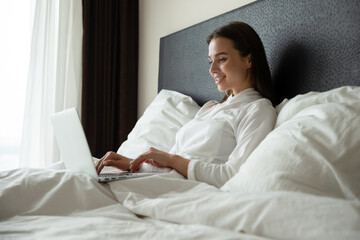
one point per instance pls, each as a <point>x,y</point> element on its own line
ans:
<point>347,94</point>
<point>157,128</point>
<point>315,148</point>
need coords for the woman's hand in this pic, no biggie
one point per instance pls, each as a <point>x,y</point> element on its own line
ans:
<point>113,159</point>
<point>161,159</point>
<point>152,156</point>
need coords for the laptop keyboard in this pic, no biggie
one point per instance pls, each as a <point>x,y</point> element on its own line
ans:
<point>113,176</point>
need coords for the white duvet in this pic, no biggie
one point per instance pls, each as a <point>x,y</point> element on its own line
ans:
<point>301,182</point>
<point>53,204</point>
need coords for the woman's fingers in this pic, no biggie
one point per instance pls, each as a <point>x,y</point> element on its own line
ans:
<point>135,164</point>
<point>153,156</point>
<point>151,161</point>
<point>120,164</point>
<point>99,164</point>
<point>114,160</point>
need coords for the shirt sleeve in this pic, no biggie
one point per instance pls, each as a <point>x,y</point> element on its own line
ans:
<point>249,129</point>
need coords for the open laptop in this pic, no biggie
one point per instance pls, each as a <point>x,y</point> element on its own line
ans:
<point>75,150</point>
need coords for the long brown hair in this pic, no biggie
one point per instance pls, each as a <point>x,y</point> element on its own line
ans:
<point>247,41</point>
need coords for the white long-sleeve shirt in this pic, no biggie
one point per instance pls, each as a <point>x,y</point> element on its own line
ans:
<point>222,135</point>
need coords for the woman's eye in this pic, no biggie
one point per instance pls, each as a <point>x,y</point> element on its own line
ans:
<point>220,60</point>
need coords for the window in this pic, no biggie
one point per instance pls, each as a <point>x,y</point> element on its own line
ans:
<point>15,25</point>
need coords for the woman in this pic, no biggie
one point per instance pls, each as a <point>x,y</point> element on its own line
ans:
<point>212,147</point>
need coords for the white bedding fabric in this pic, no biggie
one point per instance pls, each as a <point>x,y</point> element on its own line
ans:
<point>314,148</point>
<point>307,187</point>
<point>157,127</point>
<point>53,204</point>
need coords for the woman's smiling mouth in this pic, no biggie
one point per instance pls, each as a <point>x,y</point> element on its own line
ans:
<point>218,80</point>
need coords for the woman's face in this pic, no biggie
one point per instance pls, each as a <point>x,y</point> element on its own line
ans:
<point>229,69</point>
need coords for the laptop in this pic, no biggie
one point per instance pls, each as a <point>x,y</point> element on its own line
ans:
<point>75,150</point>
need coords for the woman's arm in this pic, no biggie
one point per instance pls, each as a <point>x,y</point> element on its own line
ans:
<point>250,129</point>
<point>161,159</point>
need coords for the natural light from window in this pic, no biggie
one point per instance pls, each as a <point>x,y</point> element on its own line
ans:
<point>14,62</point>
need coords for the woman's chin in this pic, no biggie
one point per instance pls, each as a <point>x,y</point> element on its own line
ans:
<point>222,90</point>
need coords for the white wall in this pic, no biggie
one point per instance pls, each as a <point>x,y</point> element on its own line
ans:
<point>159,18</point>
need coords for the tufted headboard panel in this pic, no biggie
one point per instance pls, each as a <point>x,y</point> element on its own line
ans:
<point>310,46</point>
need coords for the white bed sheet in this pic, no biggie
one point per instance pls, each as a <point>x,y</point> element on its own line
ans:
<point>273,215</point>
<point>55,204</point>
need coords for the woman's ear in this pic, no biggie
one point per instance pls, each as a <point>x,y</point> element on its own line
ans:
<point>248,61</point>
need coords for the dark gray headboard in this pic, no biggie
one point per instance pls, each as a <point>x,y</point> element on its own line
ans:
<point>310,45</point>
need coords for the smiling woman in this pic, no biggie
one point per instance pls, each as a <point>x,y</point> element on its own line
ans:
<point>240,43</point>
<point>14,62</point>
<point>230,69</point>
<point>211,147</point>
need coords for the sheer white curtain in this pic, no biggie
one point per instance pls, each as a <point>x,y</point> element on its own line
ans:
<point>54,80</point>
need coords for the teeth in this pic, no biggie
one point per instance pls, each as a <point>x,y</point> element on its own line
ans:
<point>218,79</point>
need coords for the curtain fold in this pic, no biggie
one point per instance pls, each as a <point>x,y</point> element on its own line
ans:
<point>110,72</point>
<point>54,79</point>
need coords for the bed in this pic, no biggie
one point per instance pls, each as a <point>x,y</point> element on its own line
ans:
<point>301,182</point>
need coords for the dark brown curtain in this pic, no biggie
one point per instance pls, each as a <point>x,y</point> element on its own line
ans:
<point>110,67</point>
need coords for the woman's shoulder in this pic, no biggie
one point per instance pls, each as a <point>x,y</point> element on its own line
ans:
<point>261,103</point>
<point>255,105</point>
<point>261,108</point>
<point>251,97</point>
<point>208,106</point>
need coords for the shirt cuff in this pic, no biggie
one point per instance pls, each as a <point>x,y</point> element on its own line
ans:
<point>191,170</point>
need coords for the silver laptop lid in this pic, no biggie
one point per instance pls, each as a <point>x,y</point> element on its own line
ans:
<point>72,142</point>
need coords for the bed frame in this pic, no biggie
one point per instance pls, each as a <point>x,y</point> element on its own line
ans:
<point>310,46</point>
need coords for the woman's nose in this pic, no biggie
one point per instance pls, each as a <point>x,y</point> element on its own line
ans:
<point>213,68</point>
